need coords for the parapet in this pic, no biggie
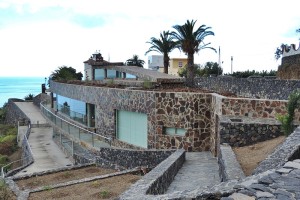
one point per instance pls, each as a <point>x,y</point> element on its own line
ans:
<point>290,50</point>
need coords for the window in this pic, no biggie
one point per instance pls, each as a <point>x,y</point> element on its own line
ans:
<point>131,127</point>
<point>180,64</point>
<point>175,131</point>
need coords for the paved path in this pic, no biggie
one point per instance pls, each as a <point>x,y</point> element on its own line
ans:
<point>47,155</point>
<point>198,171</point>
<point>32,112</point>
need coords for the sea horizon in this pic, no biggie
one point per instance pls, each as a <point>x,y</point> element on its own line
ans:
<point>19,87</point>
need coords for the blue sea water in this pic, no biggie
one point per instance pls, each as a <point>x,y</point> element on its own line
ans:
<point>19,87</point>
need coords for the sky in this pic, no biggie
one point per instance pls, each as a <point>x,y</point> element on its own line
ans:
<point>38,36</point>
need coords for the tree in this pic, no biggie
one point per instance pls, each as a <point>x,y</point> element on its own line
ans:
<point>212,68</point>
<point>65,73</point>
<point>279,51</point>
<point>29,97</point>
<point>135,61</point>
<point>191,42</point>
<point>182,72</point>
<point>164,45</point>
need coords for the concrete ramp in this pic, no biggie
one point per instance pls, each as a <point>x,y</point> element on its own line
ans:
<point>47,155</point>
<point>199,170</point>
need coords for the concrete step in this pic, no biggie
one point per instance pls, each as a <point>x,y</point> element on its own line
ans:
<point>199,170</point>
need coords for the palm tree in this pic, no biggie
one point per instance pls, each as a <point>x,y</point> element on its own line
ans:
<point>135,61</point>
<point>164,45</point>
<point>191,42</point>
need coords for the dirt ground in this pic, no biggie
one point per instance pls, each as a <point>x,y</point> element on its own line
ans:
<point>108,188</point>
<point>250,156</point>
<point>61,177</point>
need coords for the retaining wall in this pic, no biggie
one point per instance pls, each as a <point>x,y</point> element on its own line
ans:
<point>242,134</point>
<point>189,111</point>
<point>262,88</point>
<point>157,180</point>
<point>129,159</point>
<point>14,113</point>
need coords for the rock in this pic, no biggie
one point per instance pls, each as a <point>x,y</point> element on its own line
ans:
<point>260,194</point>
<point>283,170</point>
<point>293,165</point>
<point>239,196</point>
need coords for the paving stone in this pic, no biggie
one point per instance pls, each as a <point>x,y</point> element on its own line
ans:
<point>284,170</point>
<point>226,198</point>
<point>282,194</point>
<point>248,192</point>
<point>293,165</point>
<point>260,194</point>
<point>265,180</point>
<point>239,196</point>
<point>199,170</point>
<point>260,187</point>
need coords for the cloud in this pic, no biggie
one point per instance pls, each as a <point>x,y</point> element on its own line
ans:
<point>38,36</point>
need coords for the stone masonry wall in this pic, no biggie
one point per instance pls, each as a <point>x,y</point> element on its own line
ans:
<point>190,111</point>
<point>241,134</point>
<point>255,108</point>
<point>40,98</point>
<point>130,159</point>
<point>14,113</point>
<point>261,88</point>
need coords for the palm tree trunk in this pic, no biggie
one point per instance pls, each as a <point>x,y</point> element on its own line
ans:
<point>190,71</point>
<point>166,63</point>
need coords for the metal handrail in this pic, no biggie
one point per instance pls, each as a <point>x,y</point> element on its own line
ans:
<point>30,152</point>
<point>85,130</point>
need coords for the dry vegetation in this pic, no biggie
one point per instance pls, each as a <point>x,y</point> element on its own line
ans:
<point>108,188</point>
<point>250,156</point>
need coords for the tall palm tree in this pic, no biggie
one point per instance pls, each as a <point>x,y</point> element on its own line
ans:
<point>164,45</point>
<point>191,42</point>
<point>135,61</point>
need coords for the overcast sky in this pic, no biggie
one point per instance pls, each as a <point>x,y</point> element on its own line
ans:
<point>38,36</point>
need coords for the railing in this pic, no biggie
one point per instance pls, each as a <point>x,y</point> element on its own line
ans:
<point>81,118</point>
<point>26,152</point>
<point>94,139</point>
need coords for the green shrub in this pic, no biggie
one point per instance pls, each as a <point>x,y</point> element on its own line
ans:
<point>147,84</point>
<point>4,191</point>
<point>9,138</point>
<point>3,160</point>
<point>287,120</point>
<point>29,97</point>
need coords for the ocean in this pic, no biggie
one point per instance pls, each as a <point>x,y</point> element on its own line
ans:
<point>19,87</point>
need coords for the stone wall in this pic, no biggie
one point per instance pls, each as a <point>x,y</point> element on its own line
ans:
<point>14,113</point>
<point>290,67</point>
<point>189,111</point>
<point>41,98</point>
<point>262,88</point>
<point>283,153</point>
<point>242,134</point>
<point>253,107</point>
<point>157,180</point>
<point>128,159</point>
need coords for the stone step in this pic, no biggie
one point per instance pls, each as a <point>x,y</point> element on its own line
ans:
<point>199,170</point>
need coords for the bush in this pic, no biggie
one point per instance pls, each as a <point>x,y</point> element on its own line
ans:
<point>8,138</point>
<point>29,97</point>
<point>3,160</point>
<point>287,120</point>
<point>147,84</point>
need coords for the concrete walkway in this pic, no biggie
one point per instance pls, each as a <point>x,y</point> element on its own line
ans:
<point>47,155</point>
<point>199,170</point>
<point>32,112</point>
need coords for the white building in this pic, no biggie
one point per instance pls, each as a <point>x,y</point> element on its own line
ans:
<point>155,62</point>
